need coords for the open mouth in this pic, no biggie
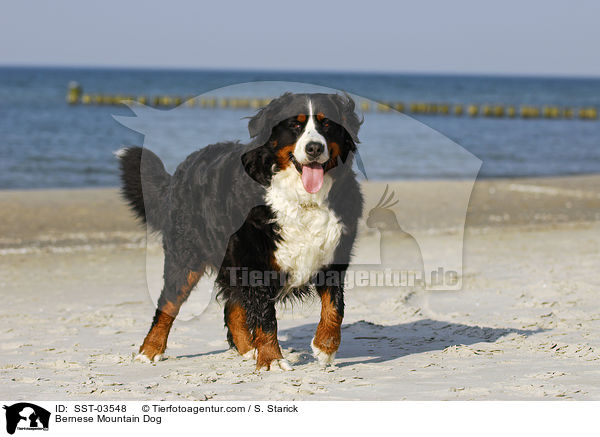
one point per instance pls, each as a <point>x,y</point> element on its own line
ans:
<point>299,166</point>
<point>312,174</point>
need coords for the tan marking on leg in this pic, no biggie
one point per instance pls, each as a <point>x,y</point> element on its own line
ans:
<point>192,279</point>
<point>267,348</point>
<point>328,335</point>
<point>236,322</point>
<point>155,342</point>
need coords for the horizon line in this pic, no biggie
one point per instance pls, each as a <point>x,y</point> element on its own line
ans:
<point>302,71</point>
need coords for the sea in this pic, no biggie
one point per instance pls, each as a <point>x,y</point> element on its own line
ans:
<point>47,143</point>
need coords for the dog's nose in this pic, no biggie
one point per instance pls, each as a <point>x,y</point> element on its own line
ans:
<point>314,149</point>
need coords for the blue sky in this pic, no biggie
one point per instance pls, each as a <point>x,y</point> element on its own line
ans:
<point>548,37</point>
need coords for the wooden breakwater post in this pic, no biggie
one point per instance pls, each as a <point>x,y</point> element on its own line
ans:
<point>76,96</point>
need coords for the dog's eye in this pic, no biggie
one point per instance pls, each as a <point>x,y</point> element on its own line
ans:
<point>325,123</point>
<point>295,124</point>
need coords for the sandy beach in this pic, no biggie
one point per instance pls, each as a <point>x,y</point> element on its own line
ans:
<point>524,326</point>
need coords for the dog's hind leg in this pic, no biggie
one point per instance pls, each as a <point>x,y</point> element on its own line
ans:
<point>178,286</point>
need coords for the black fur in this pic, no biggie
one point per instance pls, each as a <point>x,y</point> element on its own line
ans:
<point>144,184</point>
<point>212,210</point>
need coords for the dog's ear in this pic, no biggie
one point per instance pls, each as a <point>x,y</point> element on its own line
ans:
<point>350,122</point>
<point>257,126</point>
<point>347,115</point>
<point>258,163</point>
<point>261,125</point>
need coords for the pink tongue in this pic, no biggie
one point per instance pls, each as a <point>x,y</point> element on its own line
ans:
<point>312,177</point>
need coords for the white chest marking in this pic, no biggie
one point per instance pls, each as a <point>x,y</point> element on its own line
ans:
<point>310,231</point>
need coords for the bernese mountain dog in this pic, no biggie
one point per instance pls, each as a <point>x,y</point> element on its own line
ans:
<point>275,219</point>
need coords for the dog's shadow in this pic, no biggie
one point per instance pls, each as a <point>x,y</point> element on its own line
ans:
<point>365,342</point>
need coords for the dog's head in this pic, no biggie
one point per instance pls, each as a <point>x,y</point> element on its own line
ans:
<point>311,133</point>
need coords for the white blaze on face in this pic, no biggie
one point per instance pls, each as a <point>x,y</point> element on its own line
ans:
<point>309,135</point>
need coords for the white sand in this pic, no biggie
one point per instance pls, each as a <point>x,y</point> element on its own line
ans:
<point>526,324</point>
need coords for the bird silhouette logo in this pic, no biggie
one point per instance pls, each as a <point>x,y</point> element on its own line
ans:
<point>398,250</point>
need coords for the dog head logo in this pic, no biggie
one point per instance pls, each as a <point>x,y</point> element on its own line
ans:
<point>26,416</point>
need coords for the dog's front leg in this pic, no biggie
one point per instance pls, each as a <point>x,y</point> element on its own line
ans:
<point>238,334</point>
<point>268,352</point>
<point>328,336</point>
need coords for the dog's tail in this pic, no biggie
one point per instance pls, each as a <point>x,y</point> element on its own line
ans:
<point>144,184</point>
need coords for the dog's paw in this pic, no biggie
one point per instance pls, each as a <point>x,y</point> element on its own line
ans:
<point>250,355</point>
<point>323,357</point>
<point>284,365</point>
<point>281,364</point>
<point>145,357</point>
